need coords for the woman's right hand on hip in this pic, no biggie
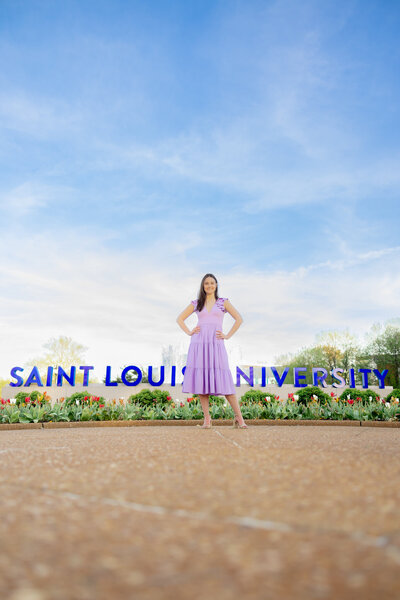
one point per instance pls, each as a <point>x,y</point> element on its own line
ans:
<point>195,330</point>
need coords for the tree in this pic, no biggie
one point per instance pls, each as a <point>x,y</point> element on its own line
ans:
<point>384,350</point>
<point>130,376</point>
<point>306,357</point>
<point>61,352</point>
<point>3,382</point>
<point>342,351</point>
<point>333,350</point>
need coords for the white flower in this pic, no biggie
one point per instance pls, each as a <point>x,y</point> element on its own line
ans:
<point>77,402</point>
<point>315,397</point>
<point>295,396</point>
<point>370,398</point>
<point>387,404</point>
<point>12,400</point>
<point>348,396</point>
<point>225,404</point>
<point>396,400</point>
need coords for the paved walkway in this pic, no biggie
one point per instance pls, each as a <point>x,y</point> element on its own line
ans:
<point>180,513</point>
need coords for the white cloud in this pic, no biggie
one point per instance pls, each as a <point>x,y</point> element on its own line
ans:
<point>29,196</point>
<point>272,132</point>
<point>23,199</point>
<point>39,116</point>
<point>123,304</point>
<point>289,141</point>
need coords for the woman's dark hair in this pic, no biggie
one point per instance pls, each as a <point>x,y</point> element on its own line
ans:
<point>201,299</point>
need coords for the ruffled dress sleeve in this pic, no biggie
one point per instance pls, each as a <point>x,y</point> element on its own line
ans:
<point>194,302</point>
<point>220,304</point>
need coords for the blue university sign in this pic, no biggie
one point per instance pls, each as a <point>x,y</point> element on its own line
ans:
<point>319,376</point>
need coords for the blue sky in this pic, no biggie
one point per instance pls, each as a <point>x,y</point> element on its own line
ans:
<point>144,144</point>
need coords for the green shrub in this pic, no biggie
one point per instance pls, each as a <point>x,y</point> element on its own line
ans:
<point>393,394</point>
<point>305,395</point>
<point>149,397</point>
<point>214,400</point>
<point>217,400</point>
<point>83,398</point>
<point>355,394</point>
<point>36,398</point>
<point>256,396</point>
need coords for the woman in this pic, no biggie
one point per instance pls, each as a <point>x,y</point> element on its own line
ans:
<point>207,369</point>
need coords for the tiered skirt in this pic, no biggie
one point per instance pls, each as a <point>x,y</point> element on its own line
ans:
<point>207,367</point>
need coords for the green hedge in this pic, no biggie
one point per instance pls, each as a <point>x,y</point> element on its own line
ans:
<point>359,395</point>
<point>214,400</point>
<point>35,398</point>
<point>393,394</point>
<point>83,398</point>
<point>255,397</point>
<point>148,397</point>
<point>305,395</point>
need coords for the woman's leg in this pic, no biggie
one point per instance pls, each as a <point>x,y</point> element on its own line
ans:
<point>233,401</point>
<point>205,405</point>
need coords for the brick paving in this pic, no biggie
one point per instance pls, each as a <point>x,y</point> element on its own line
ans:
<point>178,512</point>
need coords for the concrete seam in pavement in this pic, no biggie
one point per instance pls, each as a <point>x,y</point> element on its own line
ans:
<point>227,440</point>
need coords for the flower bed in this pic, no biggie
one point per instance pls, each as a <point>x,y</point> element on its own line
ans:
<point>155,406</point>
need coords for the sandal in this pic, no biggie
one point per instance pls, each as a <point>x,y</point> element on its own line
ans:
<point>205,426</point>
<point>237,426</point>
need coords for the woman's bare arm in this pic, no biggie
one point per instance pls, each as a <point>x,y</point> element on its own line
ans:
<point>183,316</point>
<point>236,315</point>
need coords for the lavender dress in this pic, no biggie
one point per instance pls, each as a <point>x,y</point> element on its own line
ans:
<point>207,369</point>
